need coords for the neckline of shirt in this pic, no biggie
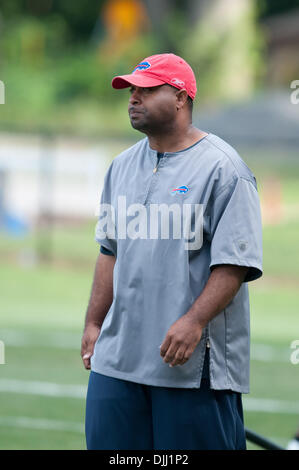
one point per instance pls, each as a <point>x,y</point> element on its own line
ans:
<point>170,154</point>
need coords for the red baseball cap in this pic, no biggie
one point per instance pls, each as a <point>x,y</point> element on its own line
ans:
<point>157,70</point>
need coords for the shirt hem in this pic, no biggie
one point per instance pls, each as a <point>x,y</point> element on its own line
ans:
<point>133,378</point>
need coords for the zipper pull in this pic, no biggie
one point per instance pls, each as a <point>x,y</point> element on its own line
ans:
<point>158,161</point>
<point>208,343</point>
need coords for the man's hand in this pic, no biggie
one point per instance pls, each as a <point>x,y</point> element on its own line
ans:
<point>90,335</point>
<point>181,340</point>
<point>184,335</point>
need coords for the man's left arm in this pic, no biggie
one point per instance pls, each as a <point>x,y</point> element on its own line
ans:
<point>184,335</point>
<point>236,256</point>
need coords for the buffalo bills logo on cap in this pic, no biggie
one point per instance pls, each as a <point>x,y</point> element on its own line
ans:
<point>180,190</point>
<point>142,66</point>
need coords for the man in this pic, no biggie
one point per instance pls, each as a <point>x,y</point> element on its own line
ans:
<point>167,327</point>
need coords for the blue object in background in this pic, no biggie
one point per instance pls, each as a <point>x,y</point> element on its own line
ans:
<point>13,225</point>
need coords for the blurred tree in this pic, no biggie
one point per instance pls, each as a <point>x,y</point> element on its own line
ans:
<point>12,8</point>
<point>79,16</point>
<point>124,21</point>
<point>171,19</point>
<point>268,8</point>
<point>31,41</point>
<point>63,53</point>
<point>160,13</point>
<point>225,48</point>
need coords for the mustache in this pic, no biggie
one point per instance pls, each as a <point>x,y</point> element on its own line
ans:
<point>133,109</point>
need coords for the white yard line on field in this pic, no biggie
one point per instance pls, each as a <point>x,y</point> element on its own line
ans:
<point>66,426</point>
<point>49,389</point>
<point>268,405</point>
<point>53,339</point>
<point>68,340</point>
<point>267,353</point>
<point>41,424</point>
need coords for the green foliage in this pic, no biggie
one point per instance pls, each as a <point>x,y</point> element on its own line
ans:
<point>46,79</point>
<point>268,8</point>
<point>50,69</point>
<point>226,55</point>
<point>30,42</point>
<point>80,17</point>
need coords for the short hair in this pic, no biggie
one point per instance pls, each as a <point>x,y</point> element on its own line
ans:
<point>190,104</point>
<point>189,100</point>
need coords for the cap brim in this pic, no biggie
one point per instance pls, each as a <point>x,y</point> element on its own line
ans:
<point>124,81</point>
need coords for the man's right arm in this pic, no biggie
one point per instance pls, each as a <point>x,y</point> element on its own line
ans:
<point>99,303</point>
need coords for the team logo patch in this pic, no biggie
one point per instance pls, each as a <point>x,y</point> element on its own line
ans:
<point>243,245</point>
<point>142,66</point>
<point>178,82</point>
<point>180,190</point>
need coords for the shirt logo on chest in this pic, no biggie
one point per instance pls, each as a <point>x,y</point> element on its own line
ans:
<point>180,190</point>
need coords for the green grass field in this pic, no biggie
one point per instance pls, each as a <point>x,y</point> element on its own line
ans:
<point>43,382</point>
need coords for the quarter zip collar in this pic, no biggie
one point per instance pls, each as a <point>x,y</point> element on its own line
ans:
<point>154,153</point>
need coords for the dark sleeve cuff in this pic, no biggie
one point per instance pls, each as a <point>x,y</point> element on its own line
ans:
<point>105,251</point>
<point>253,273</point>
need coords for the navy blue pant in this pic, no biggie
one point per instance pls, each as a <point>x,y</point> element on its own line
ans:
<point>124,415</point>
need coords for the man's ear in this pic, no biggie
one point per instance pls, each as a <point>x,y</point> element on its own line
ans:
<point>181,98</point>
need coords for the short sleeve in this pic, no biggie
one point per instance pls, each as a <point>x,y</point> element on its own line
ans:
<point>105,228</point>
<point>105,251</point>
<point>236,228</point>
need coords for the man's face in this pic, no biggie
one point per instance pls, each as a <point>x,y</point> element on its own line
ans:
<point>152,110</point>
